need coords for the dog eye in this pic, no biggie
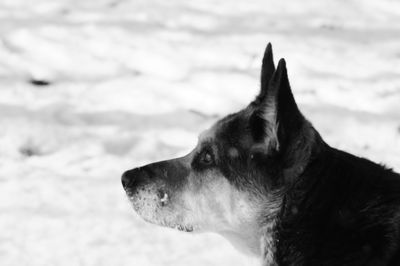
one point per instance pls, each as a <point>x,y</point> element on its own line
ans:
<point>206,158</point>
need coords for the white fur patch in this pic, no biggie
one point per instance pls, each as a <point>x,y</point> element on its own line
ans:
<point>160,209</point>
<point>145,202</point>
<point>272,125</point>
<point>209,202</point>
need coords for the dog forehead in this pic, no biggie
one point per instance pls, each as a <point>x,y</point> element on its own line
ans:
<point>230,133</point>
<point>217,128</point>
<point>234,130</point>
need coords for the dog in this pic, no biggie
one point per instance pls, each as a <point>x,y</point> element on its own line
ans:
<point>265,179</point>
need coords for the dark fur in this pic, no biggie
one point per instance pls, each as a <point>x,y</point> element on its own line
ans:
<point>335,208</point>
<point>343,210</point>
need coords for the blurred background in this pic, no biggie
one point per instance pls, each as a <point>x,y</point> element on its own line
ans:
<point>92,88</point>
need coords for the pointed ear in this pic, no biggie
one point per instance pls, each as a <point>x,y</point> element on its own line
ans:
<point>277,122</point>
<point>279,109</point>
<point>267,70</point>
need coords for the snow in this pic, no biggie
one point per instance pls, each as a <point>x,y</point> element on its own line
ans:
<point>132,82</point>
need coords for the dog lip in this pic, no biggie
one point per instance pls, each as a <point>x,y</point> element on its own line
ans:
<point>184,228</point>
<point>129,193</point>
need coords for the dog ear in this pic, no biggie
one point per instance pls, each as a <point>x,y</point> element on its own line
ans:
<point>277,122</point>
<point>267,70</point>
<point>279,110</point>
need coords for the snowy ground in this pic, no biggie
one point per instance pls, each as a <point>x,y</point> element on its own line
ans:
<point>135,81</point>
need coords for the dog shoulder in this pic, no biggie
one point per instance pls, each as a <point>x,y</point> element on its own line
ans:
<point>341,203</point>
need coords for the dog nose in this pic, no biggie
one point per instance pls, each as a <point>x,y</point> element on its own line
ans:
<point>126,178</point>
<point>131,177</point>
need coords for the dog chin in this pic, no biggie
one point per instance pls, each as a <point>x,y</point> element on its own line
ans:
<point>173,225</point>
<point>151,214</point>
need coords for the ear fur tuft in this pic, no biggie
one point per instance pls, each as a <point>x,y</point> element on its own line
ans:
<point>279,109</point>
<point>267,70</point>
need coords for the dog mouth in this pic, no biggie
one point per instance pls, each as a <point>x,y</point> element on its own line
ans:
<point>157,207</point>
<point>183,228</point>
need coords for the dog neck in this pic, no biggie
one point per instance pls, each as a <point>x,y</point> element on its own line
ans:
<point>267,244</point>
<point>257,240</point>
<point>247,241</point>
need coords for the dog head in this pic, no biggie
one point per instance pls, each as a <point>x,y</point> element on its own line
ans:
<point>233,181</point>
